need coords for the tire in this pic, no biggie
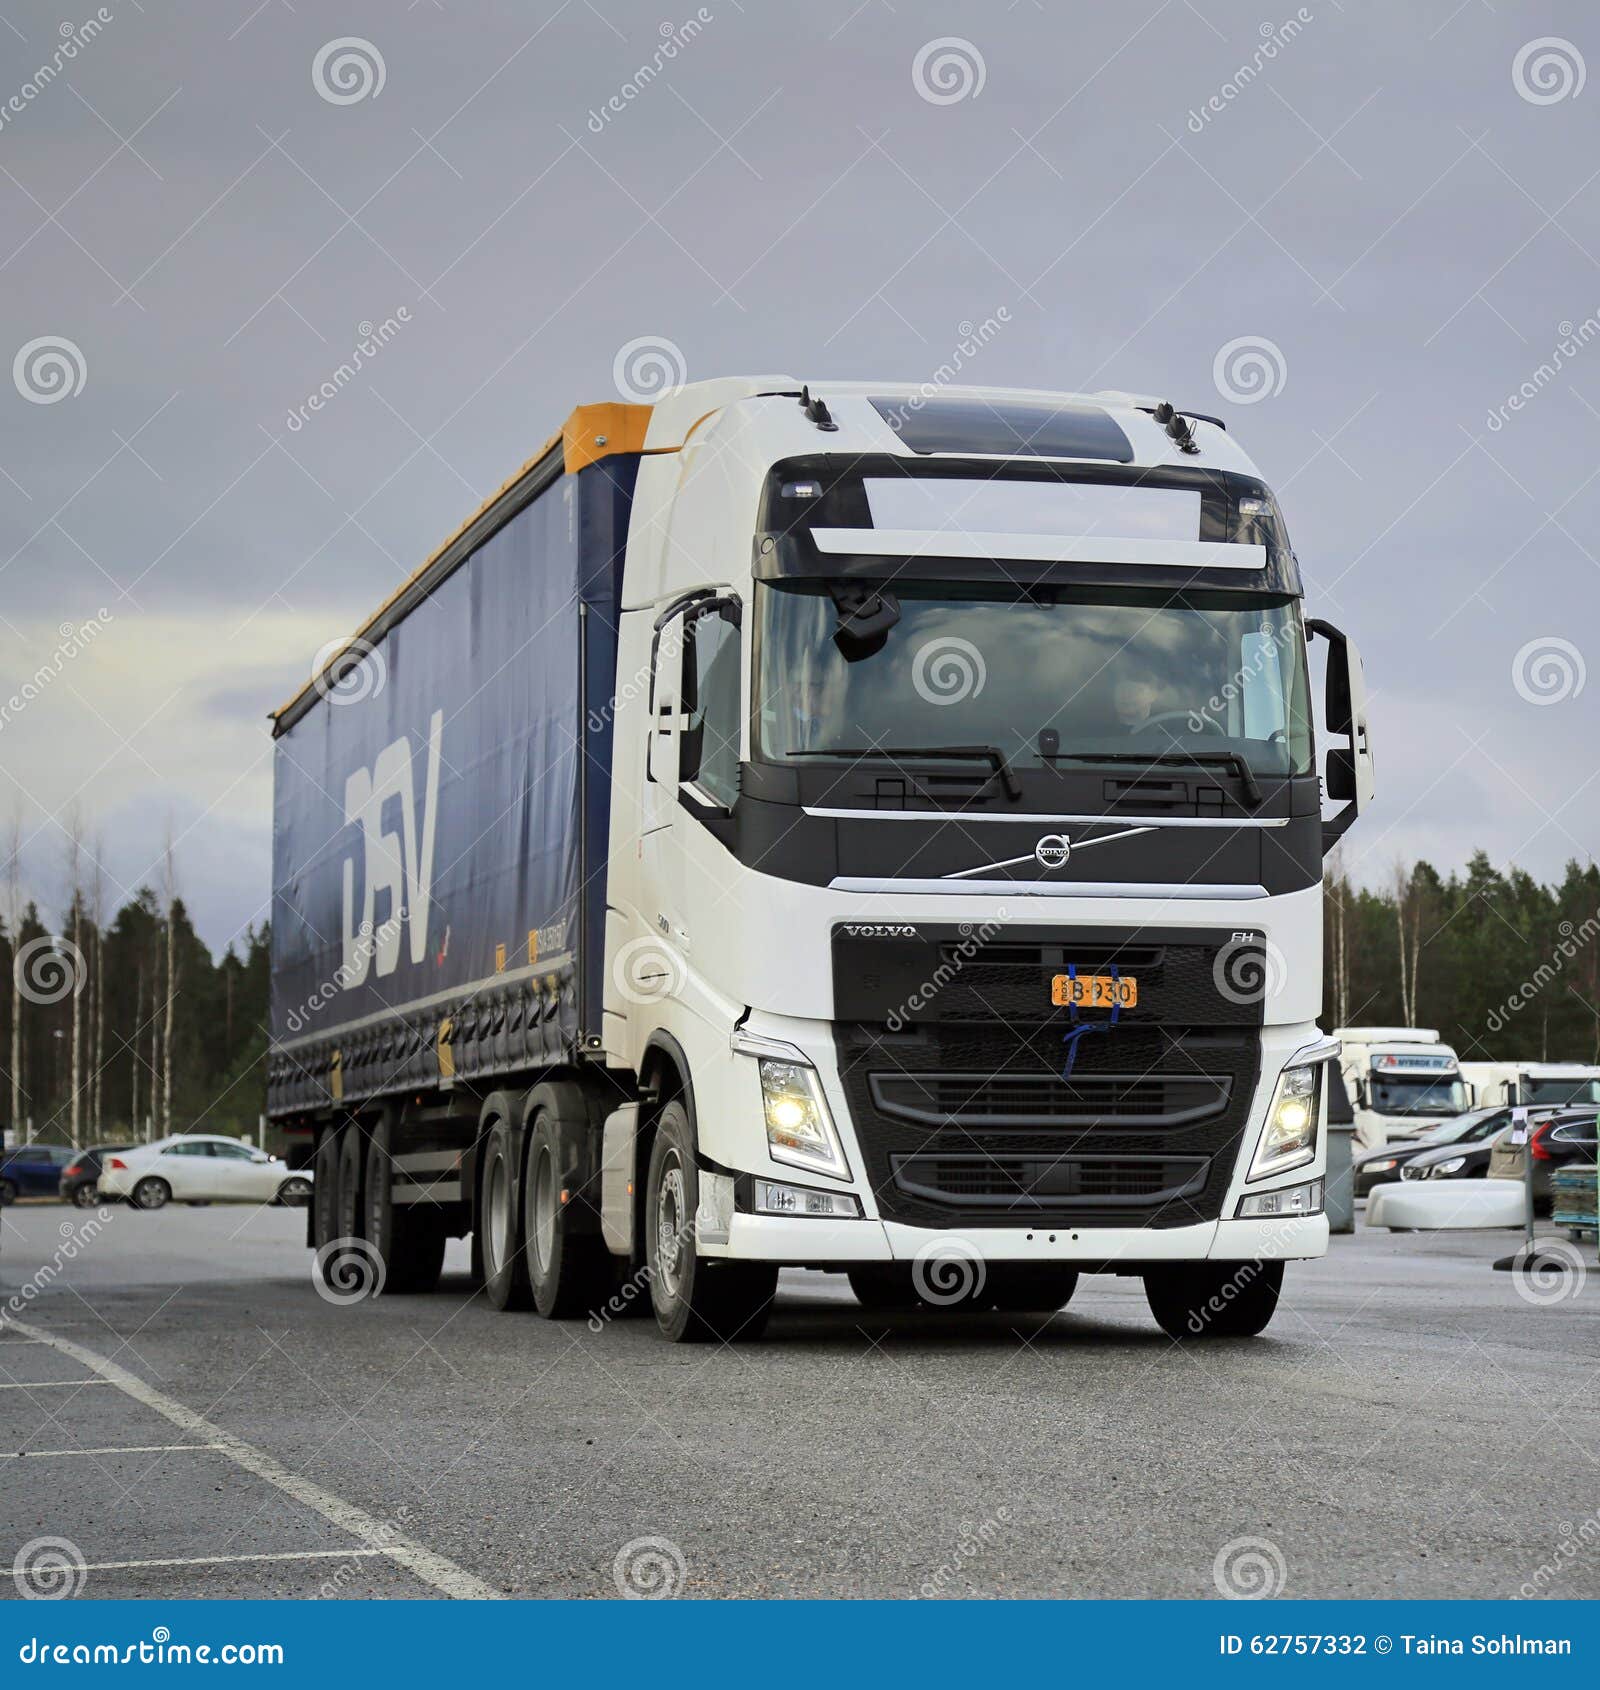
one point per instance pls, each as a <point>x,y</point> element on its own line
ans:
<point>505,1267</point>
<point>349,1221</point>
<point>8,1192</point>
<point>884,1287</point>
<point>696,1300</point>
<point>152,1192</point>
<point>569,1270</point>
<point>294,1192</point>
<point>409,1239</point>
<point>1015,1288</point>
<point>85,1194</point>
<point>325,1187</point>
<point>1214,1299</point>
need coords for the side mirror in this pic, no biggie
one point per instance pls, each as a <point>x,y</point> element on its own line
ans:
<point>1348,776</point>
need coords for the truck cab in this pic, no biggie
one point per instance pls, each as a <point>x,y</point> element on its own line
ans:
<point>1529,1083</point>
<point>1403,1081</point>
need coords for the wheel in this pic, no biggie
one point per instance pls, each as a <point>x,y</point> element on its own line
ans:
<point>696,1300</point>
<point>1018,1288</point>
<point>410,1237</point>
<point>294,1191</point>
<point>885,1287</point>
<point>8,1191</point>
<point>505,1269</point>
<point>569,1270</point>
<point>348,1218</point>
<point>152,1192</point>
<point>85,1195</point>
<point>1214,1299</point>
<point>325,1188</point>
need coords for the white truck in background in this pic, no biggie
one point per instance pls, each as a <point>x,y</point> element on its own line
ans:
<point>1402,1082</point>
<point>1557,1083</point>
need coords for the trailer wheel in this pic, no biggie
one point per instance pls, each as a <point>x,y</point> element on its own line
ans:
<point>569,1271</point>
<point>505,1268</point>
<point>1214,1299</point>
<point>348,1217</point>
<point>410,1238</point>
<point>1017,1288</point>
<point>325,1188</point>
<point>696,1300</point>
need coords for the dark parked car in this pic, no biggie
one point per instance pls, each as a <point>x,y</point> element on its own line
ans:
<point>1389,1161</point>
<point>32,1170</point>
<point>1568,1135</point>
<point>80,1178</point>
<point>1456,1161</point>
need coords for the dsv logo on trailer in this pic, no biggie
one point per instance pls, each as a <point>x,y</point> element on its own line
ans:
<point>393,860</point>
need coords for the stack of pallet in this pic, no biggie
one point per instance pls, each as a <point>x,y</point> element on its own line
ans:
<point>1572,1192</point>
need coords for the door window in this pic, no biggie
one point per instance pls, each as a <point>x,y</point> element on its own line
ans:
<point>710,740</point>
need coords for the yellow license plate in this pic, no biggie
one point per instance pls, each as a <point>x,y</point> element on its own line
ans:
<point>1095,991</point>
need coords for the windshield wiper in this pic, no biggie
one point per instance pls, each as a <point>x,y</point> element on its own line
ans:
<point>990,754</point>
<point>1232,760</point>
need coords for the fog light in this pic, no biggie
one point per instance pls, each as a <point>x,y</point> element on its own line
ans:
<point>1291,1200</point>
<point>775,1199</point>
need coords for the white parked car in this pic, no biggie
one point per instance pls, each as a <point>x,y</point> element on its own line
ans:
<point>197,1168</point>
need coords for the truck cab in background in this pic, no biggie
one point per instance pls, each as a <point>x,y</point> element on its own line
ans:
<point>1559,1083</point>
<point>1402,1082</point>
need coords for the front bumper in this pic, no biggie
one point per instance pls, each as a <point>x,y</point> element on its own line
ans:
<point>796,1242</point>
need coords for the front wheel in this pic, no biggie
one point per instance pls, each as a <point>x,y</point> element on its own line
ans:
<point>85,1196</point>
<point>8,1192</point>
<point>152,1193</point>
<point>696,1300</point>
<point>1214,1299</point>
<point>295,1192</point>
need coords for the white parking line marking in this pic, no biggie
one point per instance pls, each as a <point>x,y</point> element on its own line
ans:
<point>52,1384</point>
<point>119,1449</point>
<point>432,1568</point>
<point>219,1560</point>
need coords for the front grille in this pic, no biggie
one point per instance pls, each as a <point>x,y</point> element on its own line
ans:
<point>1001,1100</point>
<point>1026,1182</point>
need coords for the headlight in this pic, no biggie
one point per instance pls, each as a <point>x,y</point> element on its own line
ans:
<point>1453,1166</point>
<point>1289,1138</point>
<point>799,1128</point>
<point>1379,1167</point>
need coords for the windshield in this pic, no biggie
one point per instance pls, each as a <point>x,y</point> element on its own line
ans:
<point>1418,1095</point>
<point>1043,674</point>
<point>1561,1091</point>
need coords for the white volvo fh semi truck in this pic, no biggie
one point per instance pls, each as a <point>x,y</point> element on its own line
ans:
<point>825,825</point>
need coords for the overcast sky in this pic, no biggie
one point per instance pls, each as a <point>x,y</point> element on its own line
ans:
<point>1396,210</point>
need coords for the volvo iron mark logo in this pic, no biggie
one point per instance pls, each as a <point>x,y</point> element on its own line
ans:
<point>1053,851</point>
